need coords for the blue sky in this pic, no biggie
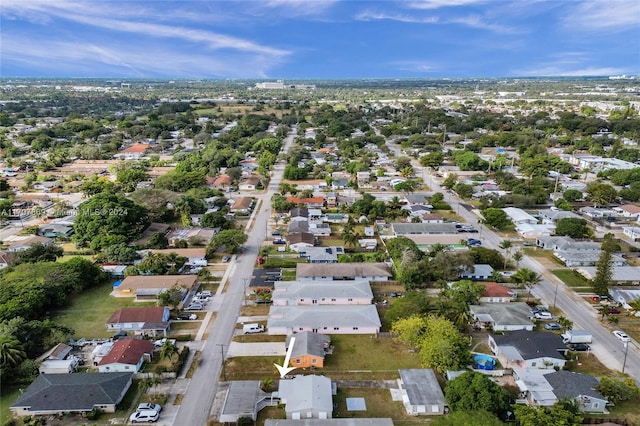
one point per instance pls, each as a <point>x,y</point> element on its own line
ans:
<point>309,39</point>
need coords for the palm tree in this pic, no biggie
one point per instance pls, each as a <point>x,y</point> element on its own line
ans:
<point>565,322</point>
<point>349,238</point>
<point>527,278</point>
<point>635,307</point>
<point>11,351</point>
<point>168,350</point>
<point>205,275</point>
<point>506,246</point>
<point>517,256</point>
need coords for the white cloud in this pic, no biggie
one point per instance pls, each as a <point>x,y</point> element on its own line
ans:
<point>414,66</point>
<point>378,16</point>
<point>300,7</point>
<point>478,23</point>
<point>610,15</point>
<point>436,4</point>
<point>468,21</point>
<point>556,71</point>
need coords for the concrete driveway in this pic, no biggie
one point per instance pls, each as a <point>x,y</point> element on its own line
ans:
<point>256,349</point>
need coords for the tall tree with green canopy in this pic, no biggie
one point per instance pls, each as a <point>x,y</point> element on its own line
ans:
<point>473,391</point>
<point>108,219</point>
<point>565,413</point>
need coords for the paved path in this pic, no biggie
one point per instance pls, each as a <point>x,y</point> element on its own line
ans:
<point>256,349</point>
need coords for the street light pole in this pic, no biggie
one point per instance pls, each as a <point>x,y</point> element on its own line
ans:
<point>555,296</point>
<point>626,349</point>
<point>224,373</point>
<point>244,291</point>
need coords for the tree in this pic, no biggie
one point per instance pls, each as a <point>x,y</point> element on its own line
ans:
<point>410,330</point>
<point>527,278</point>
<point>39,253</point>
<point>406,186</point>
<point>412,303</point>
<point>230,239</point>
<point>463,190</point>
<point>496,218</point>
<point>120,253</point>
<point>450,181</point>
<point>601,194</point>
<point>467,418</point>
<point>129,178</point>
<point>168,350</point>
<point>604,274</point>
<point>432,159</point>
<point>402,163</point>
<point>506,246</point>
<point>566,323</point>
<point>572,227</point>
<point>483,255</point>
<point>465,291</point>
<point>11,351</point>
<point>517,257</point>
<point>172,296</point>
<point>158,241</point>
<point>565,413</point>
<point>618,388</point>
<point>472,391</point>
<point>108,219</point>
<point>216,220</point>
<point>572,195</point>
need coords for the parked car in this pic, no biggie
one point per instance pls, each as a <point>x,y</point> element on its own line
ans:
<point>553,326</point>
<point>225,259</point>
<point>276,233</point>
<point>149,406</point>
<point>613,311</point>
<point>621,335</point>
<point>194,307</point>
<point>148,416</point>
<point>187,317</point>
<point>579,347</point>
<point>543,315</point>
<point>205,293</point>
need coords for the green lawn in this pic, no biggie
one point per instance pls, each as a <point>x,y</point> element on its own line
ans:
<point>378,403</point>
<point>571,277</point>
<point>89,311</point>
<point>7,397</point>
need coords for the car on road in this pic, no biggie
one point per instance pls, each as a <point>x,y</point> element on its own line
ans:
<point>579,347</point>
<point>552,326</point>
<point>147,416</point>
<point>276,233</point>
<point>149,406</point>
<point>187,317</point>
<point>621,335</point>
<point>226,259</point>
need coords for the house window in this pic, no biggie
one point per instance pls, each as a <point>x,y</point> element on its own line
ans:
<point>301,328</point>
<point>323,299</point>
<point>297,361</point>
<point>333,300</point>
<point>313,361</point>
<point>595,405</point>
<point>324,328</point>
<point>349,300</point>
<point>302,300</point>
<point>533,364</point>
<point>355,328</point>
<point>336,328</point>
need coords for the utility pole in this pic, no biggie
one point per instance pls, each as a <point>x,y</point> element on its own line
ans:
<point>224,373</point>
<point>626,349</point>
<point>244,291</point>
<point>555,189</point>
<point>555,296</point>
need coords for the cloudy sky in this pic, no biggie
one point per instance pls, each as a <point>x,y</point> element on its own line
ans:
<point>316,39</point>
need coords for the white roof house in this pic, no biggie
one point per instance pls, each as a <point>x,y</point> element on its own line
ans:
<point>324,319</point>
<point>421,392</point>
<point>340,271</point>
<point>503,316</point>
<point>527,230</point>
<point>621,274</point>
<point>322,293</point>
<point>307,397</point>
<point>519,216</point>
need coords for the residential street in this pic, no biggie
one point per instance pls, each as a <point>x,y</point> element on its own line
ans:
<point>198,400</point>
<point>609,350</point>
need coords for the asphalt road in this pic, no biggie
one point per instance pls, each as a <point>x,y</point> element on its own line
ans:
<point>552,291</point>
<point>198,400</point>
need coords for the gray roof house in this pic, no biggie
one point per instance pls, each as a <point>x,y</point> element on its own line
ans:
<point>479,272</point>
<point>321,254</point>
<point>421,392</point>
<point>423,228</point>
<point>331,422</point>
<point>324,319</point>
<point>53,394</point>
<point>309,349</point>
<point>552,216</point>
<point>581,387</point>
<point>241,400</point>
<point>298,226</point>
<point>343,271</point>
<point>625,295</point>
<point>502,316</point>
<point>529,349</point>
<point>307,397</point>
<point>322,293</point>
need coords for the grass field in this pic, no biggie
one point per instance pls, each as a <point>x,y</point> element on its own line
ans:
<point>89,311</point>
<point>7,397</point>
<point>571,278</point>
<point>378,403</point>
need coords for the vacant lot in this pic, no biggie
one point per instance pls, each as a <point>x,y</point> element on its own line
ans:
<point>88,312</point>
<point>571,278</point>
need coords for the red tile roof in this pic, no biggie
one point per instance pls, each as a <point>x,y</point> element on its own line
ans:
<point>222,180</point>
<point>148,314</point>
<point>312,200</point>
<point>127,351</point>
<point>139,147</point>
<point>495,290</point>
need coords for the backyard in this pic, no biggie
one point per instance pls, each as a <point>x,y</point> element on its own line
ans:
<point>572,279</point>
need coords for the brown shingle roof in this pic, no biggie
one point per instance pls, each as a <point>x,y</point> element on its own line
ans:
<point>135,282</point>
<point>127,351</point>
<point>145,314</point>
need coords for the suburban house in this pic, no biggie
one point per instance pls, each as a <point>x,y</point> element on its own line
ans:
<point>563,243</point>
<point>632,232</point>
<point>479,272</point>
<point>134,152</point>
<point>286,293</point>
<point>193,235</point>
<point>221,182</point>
<point>546,387</point>
<point>321,254</point>
<point>596,213</point>
<point>126,355</point>
<point>115,271</point>
<point>21,243</point>
<point>300,241</point>
<point>145,320</point>
<point>421,392</point>
<point>149,287</point>
<point>532,231</point>
<point>249,183</point>
<point>550,216</point>
<point>195,256</point>
<point>496,293</point>
<point>243,398</point>
<point>312,202</point>
<point>324,319</point>
<point>53,230</point>
<point>242,205</point>
<point>298,225</point>
<point>519,216</point>
<point>358,271</point>
<point>576,259</point>
<point>622,275</point>
<point>423,228</point>
<point>56,394</point>
<point>307,397</point>
<point>625,295</point>
<point>502,316</point>
<point>629,211</point>
<point>299,213</point>
<point>320,229</point>
<point>332,200</point>
<point>309,349</point>
<point>152,229</point>
<point>529,349</point>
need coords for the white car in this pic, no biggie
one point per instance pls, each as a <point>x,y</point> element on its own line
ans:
<point>147,416</point>
<point>149,406</point>
<point>205,293</point>
<point>621,335</point>
<point>194,307</point>
<point>543,315</point>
